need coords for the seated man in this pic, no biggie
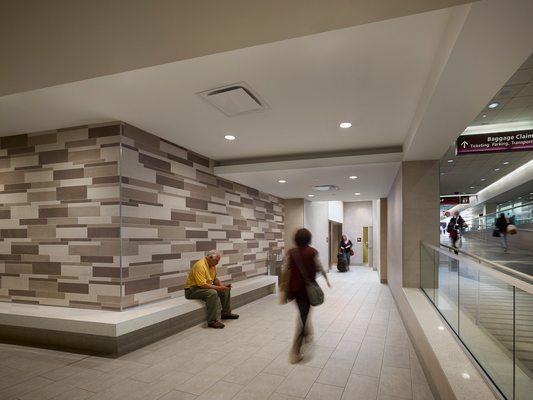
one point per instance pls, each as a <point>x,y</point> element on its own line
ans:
<point>203,284</point>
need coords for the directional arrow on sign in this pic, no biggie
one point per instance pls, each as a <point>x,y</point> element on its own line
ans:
<point>464,144</point>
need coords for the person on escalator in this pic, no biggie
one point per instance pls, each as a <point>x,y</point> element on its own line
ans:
<point>501,224</point>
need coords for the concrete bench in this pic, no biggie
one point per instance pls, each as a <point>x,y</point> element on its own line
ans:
<point>114,332</point>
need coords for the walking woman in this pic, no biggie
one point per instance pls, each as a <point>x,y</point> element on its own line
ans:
<point>301,265</point>
<point>501,225</point>
<point>346,248</point>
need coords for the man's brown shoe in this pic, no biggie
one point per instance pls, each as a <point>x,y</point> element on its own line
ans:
<point>216,325</point>
<point>230,316</point>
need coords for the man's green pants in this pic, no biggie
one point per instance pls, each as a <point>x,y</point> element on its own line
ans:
<point>211,296</point>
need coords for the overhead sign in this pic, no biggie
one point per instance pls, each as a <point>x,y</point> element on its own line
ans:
<point>495,142</point>
<point>454,200</point>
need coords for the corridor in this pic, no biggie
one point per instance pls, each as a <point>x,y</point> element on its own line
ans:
<point>361,352</point>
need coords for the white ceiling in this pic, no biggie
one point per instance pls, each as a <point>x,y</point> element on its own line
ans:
<point>413,82</point>
<point>373,181</point>
<point>371,75</point>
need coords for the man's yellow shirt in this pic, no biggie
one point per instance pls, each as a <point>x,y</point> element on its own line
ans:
<point>201,273</point>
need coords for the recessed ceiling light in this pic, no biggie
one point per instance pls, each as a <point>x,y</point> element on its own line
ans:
<point>311,195</point>
<point>484,116</point>
<point>482,179</point>
<point>353,177</point>
<point>465,375</point>
<point>450,160</point>
<point>496,169</point>
<point>505,162</point>
<point>229,137</point>
<point>357,194</point>
<point>472,187</point>
<point>345,125</point>
<point>440,327</point>
<point>442,173</point>
<point>282,181</point>
<point>494,105</point>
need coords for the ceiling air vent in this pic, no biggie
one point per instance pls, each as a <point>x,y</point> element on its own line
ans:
<point>237,98</point>
<point>325,188</point>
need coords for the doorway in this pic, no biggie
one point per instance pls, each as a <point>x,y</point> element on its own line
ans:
<point>367,245</point>
<point>335,234</point>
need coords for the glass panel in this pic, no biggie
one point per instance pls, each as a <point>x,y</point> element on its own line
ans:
<point>523,345</point>
<point>446,289</point>
<point>427,271</point>
<point>486,323</point>
<point>493,318</point>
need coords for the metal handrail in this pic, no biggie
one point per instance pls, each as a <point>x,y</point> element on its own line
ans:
<point>510,276</point>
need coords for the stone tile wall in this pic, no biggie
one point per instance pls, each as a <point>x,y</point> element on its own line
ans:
<point>175,210</point>
<point>60,218</point>
<point>59,210</point>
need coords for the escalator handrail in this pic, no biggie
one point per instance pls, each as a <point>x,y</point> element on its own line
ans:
<point>510,276</point>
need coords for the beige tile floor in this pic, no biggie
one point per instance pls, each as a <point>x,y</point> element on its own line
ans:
<point>361,351</point>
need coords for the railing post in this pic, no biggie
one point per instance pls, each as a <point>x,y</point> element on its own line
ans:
<point>477,297</point>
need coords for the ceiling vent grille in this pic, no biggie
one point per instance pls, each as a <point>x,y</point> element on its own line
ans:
<point>325,188</point>
<point>235,99</point>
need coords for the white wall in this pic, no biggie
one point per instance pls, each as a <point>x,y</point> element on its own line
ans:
<point>316,220</point>
<point>356,215</point>
<point>294,220</point>
<point>335,211</point>
<point>376,223</point>
<point>395,236</point>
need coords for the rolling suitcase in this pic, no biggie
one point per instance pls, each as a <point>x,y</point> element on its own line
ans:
<point>342,264</point>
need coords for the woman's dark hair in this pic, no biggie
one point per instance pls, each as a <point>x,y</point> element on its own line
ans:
<point>302,237</point>
<point>502,215</point>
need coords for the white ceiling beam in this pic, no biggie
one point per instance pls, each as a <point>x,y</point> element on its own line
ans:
<point>376,156</point>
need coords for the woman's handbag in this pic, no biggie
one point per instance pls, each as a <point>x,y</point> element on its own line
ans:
<point>314,292</point>
<point>351,252</point>
<point>511,229</point>
<point>284,285</point>
<point>496,233</point>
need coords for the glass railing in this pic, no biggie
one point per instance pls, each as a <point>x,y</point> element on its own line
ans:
<point>490,309</point>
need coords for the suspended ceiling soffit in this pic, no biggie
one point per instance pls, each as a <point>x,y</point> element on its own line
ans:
<point>72,40</point>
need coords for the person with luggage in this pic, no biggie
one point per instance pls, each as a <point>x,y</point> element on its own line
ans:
<point>346,249</point>
<point>502,229</point>
<point>342,265</point>
<point>455,228</point>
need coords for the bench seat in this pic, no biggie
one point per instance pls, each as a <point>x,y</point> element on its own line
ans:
<point>114,332</point>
